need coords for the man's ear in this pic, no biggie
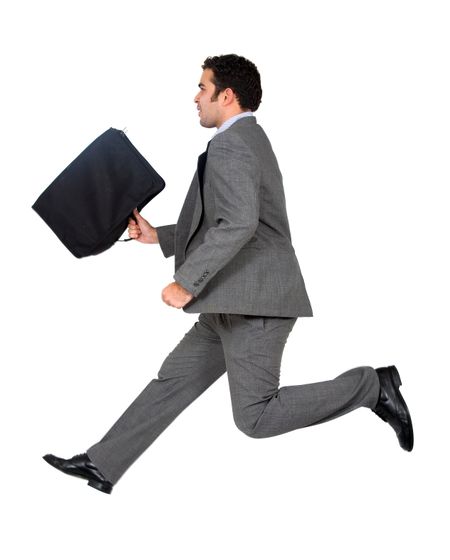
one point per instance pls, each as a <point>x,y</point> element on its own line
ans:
<point>228,96</point>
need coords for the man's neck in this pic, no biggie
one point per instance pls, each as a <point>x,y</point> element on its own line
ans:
<point>229,116</point>
<point>232,119</point>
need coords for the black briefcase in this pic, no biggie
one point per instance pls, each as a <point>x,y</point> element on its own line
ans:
<point>88,204</point>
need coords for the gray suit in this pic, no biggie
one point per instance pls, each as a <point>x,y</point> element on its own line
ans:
<point>232,245</point>
<point>233,252</point>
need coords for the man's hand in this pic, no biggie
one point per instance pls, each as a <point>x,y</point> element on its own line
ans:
<point>140,230</point>
<point>175,295</point>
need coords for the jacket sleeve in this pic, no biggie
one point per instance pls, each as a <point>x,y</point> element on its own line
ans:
<point>234,177</point>
<point>166,238</point>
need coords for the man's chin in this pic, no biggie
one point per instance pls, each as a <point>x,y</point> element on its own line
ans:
<point>206,124</point>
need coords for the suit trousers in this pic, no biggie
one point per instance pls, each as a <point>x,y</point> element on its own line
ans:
<point>249,348</point>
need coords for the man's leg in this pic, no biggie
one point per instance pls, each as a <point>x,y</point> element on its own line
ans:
<point>194,364</point>
<point>253,349</point>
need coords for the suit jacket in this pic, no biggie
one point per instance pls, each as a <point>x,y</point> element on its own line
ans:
<point>232,242</point>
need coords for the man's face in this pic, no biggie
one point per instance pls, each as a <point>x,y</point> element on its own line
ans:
<point>209,111</point>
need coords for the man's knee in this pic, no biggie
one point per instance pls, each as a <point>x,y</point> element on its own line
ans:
<point>248,428</point>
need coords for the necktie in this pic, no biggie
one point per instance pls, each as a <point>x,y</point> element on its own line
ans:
<point>201,164</point>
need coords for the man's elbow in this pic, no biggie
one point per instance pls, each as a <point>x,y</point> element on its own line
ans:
<point>245,231</point>
<point>252,227</point>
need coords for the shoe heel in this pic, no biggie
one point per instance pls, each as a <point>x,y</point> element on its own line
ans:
<point>395,376</point>
<point>102,486</point>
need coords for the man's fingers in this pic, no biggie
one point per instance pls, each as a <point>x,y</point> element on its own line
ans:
<point>140,220</point>
<point>134,231</point>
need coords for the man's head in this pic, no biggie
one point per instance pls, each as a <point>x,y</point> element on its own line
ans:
<point>229,85</point>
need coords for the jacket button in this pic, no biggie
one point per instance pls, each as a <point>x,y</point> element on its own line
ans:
<point>196,284</point>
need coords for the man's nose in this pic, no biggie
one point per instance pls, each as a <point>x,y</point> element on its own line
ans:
<point>196,98</point>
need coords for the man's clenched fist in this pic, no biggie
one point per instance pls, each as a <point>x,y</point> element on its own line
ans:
<point>175,295</point>
<point>141,230</point>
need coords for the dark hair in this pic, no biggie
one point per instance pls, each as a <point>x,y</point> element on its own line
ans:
<point>240,75</point>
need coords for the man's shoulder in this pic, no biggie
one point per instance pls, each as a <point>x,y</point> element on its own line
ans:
<point>242,126</point>
<point>245,131</point>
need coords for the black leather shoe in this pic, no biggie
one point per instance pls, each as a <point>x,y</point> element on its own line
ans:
<point>83,467</point>
<point>391,406</point>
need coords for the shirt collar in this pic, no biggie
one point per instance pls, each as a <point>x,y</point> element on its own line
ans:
<point>232,120</point>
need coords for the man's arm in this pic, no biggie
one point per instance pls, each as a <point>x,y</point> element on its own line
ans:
<point>235,182</point>
<point>141,230</point>
<point>166,237</point>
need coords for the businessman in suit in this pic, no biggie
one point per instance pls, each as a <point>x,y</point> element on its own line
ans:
<point>234,265</point>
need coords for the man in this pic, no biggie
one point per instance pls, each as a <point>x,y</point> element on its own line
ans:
<point>235,265</point>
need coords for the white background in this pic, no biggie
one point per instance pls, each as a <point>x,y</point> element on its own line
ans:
<point>356,104</point>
